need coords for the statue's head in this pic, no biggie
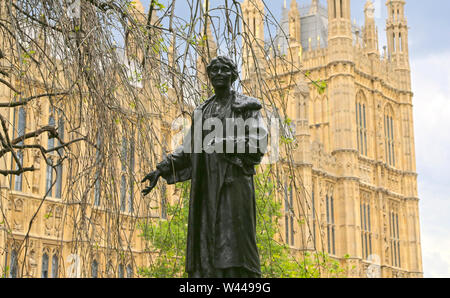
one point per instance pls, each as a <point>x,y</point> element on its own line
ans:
<point>222,72</point>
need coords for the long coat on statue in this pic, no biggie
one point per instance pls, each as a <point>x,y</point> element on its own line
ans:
<point>222,209</point>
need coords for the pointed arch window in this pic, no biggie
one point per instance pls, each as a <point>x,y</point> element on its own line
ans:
<point>366,228</point>
<point>289,215</point>
<point>131,179</point>
<point>109,269</point>
<point>54,188</point>
<point>51,122</point>
<point>21,127</point>
<point>335,9</point>
<point>98,159</point>
<point>59,167</point>
<point>361,124</point>
<point>49,180</point>
<point>393,42</point>
<point>389,137</point>
<point>395,239</point>
<point>123,192</point>
<point>94,269</point>
<point>129,271</point>
<point>400,43</point>
<point>331,227</point>
<point>13,264</point>
<point>55,266</point>
<point>313,207</point>
<point>127,178</point>
<point>123,180</point>
<point>50,145</point>
<point>121,271</point>
<point>44,271</point>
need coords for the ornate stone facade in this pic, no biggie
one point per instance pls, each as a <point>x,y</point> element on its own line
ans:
<point>355,140</point>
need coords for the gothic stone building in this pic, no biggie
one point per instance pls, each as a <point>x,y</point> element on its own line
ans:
<point>355,152</point>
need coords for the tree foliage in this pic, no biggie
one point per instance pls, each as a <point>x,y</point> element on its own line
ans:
<point>117,76</point>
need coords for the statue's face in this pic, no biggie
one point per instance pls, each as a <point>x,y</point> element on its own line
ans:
<point>220,75</point>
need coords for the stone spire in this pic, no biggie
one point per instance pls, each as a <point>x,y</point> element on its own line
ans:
<point>133,49</point>
<point>140,11</point>
<point>341,85</point>
<point>314,7</point>
<point>253,27</point>
<point>294,24</point>
<point>397,33</point>
<point>370,30</point>
<point>340,38</point>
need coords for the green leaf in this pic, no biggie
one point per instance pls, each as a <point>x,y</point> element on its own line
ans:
<point>156,3</point>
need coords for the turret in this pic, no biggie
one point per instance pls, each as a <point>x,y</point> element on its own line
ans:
<point>294,24</point>
<point>397,33</point>
<point>133,50</point>
<point>340,39</point>
<point>314,7</point>
<point>370,30</point>
<point>253,36</point>
<point>341,91</point>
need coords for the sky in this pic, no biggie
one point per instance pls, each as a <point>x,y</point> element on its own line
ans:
<point>429,47</point>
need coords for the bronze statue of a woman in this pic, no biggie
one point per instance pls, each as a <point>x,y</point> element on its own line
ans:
<point>221,240</point>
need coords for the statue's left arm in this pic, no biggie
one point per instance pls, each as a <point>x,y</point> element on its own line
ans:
<point>256,139</point>
<point>176,167</point>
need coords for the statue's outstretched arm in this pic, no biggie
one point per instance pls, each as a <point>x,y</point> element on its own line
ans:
<point>176,167</point>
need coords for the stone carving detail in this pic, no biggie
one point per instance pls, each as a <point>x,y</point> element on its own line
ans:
<point>74,266</point>
<point>58,212</point>
<point>365,172</point>
<point>17,225</point>
<point>393,182</point>
<point>18,205</point>
<point>8,205</point>
<point>52,220</point>
<point>36,173</point>
<point>58,219</point>
<point>385,234</point>
<point>48,220</point>
<point>32,264</point>
<point>324,161</point>
<point>96,228</point>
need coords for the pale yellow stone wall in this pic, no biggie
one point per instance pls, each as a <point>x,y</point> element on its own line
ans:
<point>327,156</point>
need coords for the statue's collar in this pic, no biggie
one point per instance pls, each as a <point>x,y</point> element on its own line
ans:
<point>240,102</point>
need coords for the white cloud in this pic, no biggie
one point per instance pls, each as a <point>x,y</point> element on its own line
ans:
<point>431,87</point>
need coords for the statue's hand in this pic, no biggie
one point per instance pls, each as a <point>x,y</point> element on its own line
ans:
<point>153,178</point>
